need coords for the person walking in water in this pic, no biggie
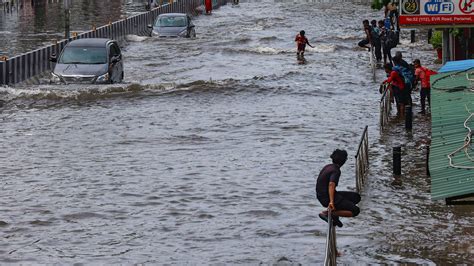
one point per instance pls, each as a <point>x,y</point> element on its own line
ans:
<point>301,42</point>
<point>341,203</point>
<point>208,6</point>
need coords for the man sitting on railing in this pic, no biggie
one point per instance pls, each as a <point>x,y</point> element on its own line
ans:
<point>342,203</point>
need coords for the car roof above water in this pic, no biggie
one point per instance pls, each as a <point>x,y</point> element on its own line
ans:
<point>172,15</point>
<point>90,42</point>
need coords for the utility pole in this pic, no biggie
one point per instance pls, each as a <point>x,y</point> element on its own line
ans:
<point>67,15</point>
<point>446,47</point>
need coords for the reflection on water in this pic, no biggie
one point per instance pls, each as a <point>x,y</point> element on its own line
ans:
<point>31,24</point>
<point>208,153</point>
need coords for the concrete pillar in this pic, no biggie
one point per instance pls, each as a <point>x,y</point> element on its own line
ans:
<point>3,72</point>
<point>67,14</point>
<point>408,118</point>
<point>397,161</point>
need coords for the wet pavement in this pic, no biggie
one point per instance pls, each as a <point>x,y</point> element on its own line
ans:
<point>208,152</point>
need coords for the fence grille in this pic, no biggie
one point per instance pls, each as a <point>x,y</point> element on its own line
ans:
<point>385,106</point>
<point>362,166</point>
<point>362,160</point>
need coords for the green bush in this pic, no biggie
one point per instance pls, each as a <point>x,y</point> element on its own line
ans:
<point>437,39</point>
<point>377,4</point>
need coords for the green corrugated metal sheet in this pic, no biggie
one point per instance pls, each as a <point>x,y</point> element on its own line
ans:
<point>452,102</point>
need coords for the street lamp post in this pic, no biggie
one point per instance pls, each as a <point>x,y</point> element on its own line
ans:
<point>67,14</point>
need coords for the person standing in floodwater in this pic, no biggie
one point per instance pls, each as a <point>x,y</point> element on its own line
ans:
<point>397,86</point>
<point>376,40</point>
<point>367,42</point>
<point>208,6</point>
<point>386,48</point>
<point>423,74</point>
<point>341,203</point>
<point>301,42</point>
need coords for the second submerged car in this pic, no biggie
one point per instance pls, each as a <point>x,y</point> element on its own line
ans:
<point>173,25</point>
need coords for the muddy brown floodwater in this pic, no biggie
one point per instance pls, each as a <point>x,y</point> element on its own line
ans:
<point>208,152</point>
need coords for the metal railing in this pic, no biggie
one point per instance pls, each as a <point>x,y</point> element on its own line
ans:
<point>359,2</point>
<point>23,67</point>
<point>362,160</point>
<point>362,166</point>
<point>331,248</point>
<point>385,106</point>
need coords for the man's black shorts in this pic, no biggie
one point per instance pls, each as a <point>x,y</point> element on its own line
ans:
<point>344,200</point>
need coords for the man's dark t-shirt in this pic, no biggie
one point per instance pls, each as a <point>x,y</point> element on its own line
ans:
<point>404,63</point>
<point>330,173</point>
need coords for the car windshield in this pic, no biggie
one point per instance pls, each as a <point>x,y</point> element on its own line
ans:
<point>178,21</point>
<point>84,55</point>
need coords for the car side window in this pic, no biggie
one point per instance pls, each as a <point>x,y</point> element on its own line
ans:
<point>114,50</point>
<point>117,49</point>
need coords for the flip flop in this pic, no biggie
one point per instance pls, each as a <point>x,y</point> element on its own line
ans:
<point>335,219</point>
<point>324,217</point>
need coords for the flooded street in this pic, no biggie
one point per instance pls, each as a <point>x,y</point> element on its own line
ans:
<point>209,151</point>
<point>31,24</point>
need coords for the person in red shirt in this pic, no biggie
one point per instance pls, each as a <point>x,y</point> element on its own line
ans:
<point>397,85</point>
<point>301,42</point>
<point>208,6</point>
<point>423,74</point>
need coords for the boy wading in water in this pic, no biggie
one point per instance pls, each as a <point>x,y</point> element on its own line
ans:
<point>301,42</point>
<point>341,203</point>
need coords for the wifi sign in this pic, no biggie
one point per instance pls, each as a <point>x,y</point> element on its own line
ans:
<point>435,7</point>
